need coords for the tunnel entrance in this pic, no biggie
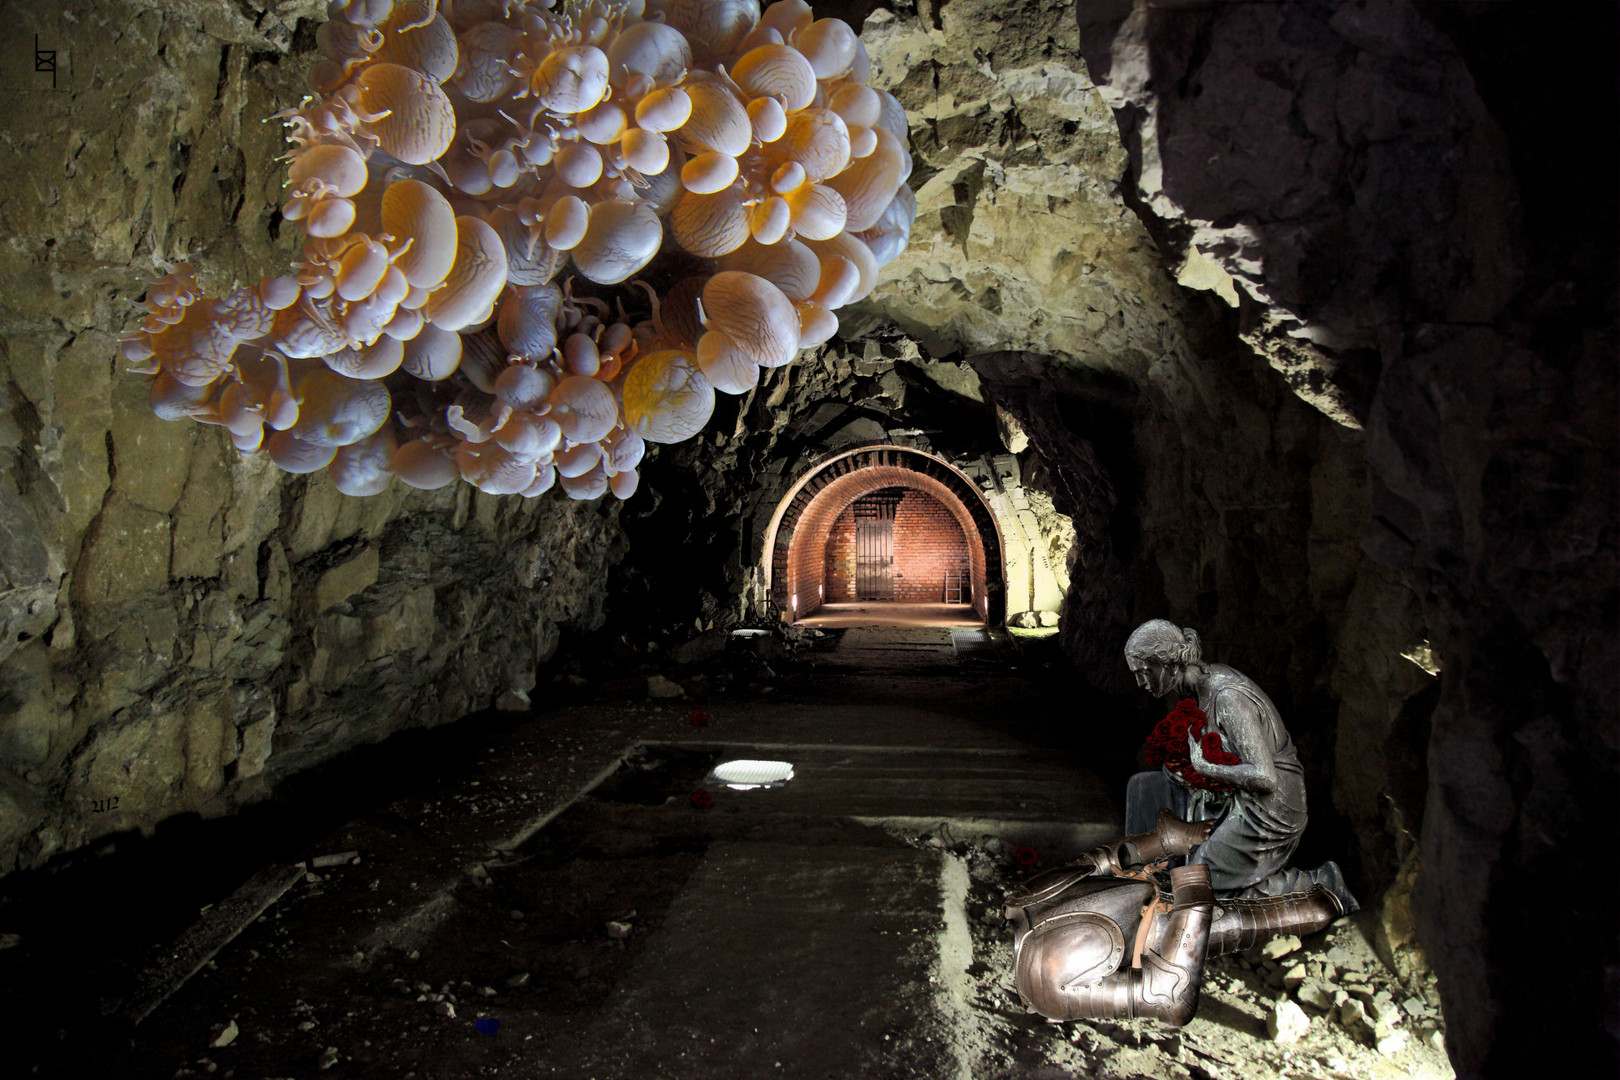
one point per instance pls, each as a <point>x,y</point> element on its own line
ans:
<point>885,535</point>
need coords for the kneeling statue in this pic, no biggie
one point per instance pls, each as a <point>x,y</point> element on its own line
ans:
<point>1124,931</point>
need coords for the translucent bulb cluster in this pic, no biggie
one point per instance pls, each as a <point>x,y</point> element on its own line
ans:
<point>462,162</point>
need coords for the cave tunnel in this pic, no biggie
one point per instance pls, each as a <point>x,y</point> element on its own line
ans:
<point>890,526</point>
<point>678,655</point>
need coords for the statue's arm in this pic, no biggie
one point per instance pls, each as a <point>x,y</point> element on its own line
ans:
<point>1245,736</point>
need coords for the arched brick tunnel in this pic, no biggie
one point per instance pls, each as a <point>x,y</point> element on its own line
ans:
<point>807,516</point>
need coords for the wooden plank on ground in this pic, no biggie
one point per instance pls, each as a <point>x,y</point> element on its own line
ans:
<point>217,927</point>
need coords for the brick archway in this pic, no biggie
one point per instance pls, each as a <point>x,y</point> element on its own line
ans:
<point>795,548</point>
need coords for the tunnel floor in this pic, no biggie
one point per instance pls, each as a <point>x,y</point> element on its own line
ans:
<point>571,893</point>
<point>888,613</point>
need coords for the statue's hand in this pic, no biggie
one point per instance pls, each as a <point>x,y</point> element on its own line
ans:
<point>1195,754</point>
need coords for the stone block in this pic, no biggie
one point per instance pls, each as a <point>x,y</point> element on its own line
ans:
<point>83,406</point>
<point>205,741</point>
<point>30,716</point>
<point>1279,947</point>
<point>1392,1044</point>
<point>152,457</point>
<point>137,761</point>
<point>1354,1019</point>
<point>1286,1022</point>
<point>706,646</point>
<point>17,821</point>
<point>513,701</point>
<point>277,584</point>
<point>406,628</point>
<point>126,559</point>
<point>1012,433</point>
<point>256,739</point>
<point>1384,1011</point>
<point>199,517</point>
<point>660,687</point>
<point>1315,993</point>
<point>347,579</point>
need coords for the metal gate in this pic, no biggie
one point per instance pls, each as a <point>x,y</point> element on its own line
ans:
<point>874,547</point>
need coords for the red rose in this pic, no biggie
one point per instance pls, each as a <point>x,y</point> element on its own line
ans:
<point>701,799</point>
<point>699,718</point>
<point>1167,745</point>
<point>1215,752</point>
<point>1025,858</point>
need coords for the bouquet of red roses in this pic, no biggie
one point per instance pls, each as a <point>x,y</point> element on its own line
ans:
<point>1167,745</point>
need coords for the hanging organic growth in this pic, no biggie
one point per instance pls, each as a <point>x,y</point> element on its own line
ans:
<point>722,181</point>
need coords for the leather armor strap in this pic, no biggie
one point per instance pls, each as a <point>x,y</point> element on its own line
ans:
<point>1150,910</point>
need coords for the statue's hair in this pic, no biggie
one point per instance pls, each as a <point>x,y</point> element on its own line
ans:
<point>1162,641</point>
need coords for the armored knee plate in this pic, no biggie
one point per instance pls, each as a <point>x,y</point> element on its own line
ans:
<point>1070,952</point>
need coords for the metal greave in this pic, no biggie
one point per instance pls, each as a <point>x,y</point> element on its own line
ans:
<point>1240,924</point>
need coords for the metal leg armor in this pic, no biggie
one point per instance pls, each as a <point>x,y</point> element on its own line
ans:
<point>1170,836</point>
<point>1164,987</point>
<point>1240,924</point>
<point>1123,858</point>
<point>1099,939</point>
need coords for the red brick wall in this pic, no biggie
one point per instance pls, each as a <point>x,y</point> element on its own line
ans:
<point>840,559</point>
<point>928,541</point>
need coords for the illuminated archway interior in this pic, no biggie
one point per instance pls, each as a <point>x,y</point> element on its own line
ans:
<point>816,556</point>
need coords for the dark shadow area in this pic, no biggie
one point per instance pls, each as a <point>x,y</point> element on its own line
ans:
<point>89,921</point>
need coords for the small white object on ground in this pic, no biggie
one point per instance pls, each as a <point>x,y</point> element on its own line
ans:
<point>1287,1022</point>
<point>229,1035</point>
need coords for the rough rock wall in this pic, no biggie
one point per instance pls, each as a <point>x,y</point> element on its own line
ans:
<point>180,627</point>
<point>1355,169</point>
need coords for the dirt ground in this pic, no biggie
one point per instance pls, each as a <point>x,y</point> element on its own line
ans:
<point>547,895</point>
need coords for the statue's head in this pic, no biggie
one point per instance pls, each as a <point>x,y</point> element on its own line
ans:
<point>1158,653</point>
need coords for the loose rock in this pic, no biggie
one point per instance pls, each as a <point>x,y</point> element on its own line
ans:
<point>1353,1017</point>
<point>1287,1022</point>
<point>1280,946</point>
<point>1315,993</point>
<point>1392,1044</point>
<point>660,687</point>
